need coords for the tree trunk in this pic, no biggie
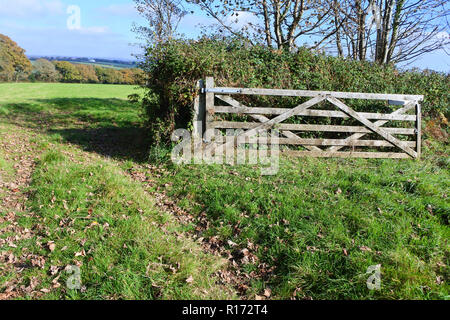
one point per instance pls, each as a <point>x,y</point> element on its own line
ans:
<point>267,24</point>
<point>361,15</point>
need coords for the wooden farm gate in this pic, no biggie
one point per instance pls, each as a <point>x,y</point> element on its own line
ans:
<point>268,118</point>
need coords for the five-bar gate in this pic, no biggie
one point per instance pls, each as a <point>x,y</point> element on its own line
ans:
<point>265,118</point>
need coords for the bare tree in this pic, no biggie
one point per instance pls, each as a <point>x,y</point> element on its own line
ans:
<point>277,23</point>
<point>162,16</point>
<point>389,31</point>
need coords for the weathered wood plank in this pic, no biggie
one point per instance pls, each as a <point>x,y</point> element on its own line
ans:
<point>419,130</point>
<point>325,154</point>
<point>314,113</point>
<point>308,127</point>
<point>371,126</point>
<point>294,137</point>
<point>317,142</point>
<point>309,93</point>
<point>199,112</point>
<point>209,106</point>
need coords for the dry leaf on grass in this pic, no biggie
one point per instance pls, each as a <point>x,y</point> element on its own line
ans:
<point>51,246</point>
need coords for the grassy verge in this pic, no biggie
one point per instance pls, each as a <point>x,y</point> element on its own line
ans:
<point>321,223</point>
<point>82,208</point>
<point>92,216</point>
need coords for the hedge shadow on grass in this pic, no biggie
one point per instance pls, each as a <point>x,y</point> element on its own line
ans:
<point>110,127</point>
<point>125,143</point>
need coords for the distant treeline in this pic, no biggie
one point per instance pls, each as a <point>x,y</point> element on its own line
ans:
<point>64,71</point>
<point>15,66</point>
<point>97,61</point>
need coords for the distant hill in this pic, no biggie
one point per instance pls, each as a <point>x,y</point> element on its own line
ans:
<point>111,63</point>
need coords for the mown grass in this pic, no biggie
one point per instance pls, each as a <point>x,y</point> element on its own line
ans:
<point>21,92</point>
<point>69,105</point>
<point>97,117</point>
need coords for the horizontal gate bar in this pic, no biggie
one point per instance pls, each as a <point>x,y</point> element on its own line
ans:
<point>314,142</point>
<point>314,113</point>
<point>309,93</point>
<point>325,154</point>
<point>308,127</point>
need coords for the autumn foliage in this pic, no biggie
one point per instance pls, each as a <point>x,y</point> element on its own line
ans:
<point>14,64</point>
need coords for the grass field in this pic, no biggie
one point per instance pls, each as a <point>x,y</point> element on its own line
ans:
<point>101,64</point>
<point>140,229</point>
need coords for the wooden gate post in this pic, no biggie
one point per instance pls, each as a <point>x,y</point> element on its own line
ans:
<point>209,103</point>
<point>418,129</point>
<point>199,112</point>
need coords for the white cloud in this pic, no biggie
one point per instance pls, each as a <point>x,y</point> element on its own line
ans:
<point>241,19</point>
<point>30,8</point>
<point>124,10</point>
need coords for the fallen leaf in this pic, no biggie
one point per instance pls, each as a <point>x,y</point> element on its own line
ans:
<point>51,246</point>
<point>54,270</point>
<point>267,293</point>
<point>81,253</point>
<point>190,279</point>
<point>231,243</point>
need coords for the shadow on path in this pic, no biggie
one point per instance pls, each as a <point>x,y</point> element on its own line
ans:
<point>120,143</point>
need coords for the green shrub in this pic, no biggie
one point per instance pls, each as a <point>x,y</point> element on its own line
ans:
<point>174,67</point>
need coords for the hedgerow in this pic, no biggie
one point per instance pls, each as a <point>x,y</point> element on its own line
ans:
<point>174,67</point>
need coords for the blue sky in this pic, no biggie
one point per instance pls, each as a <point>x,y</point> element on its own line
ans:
<point>40,27</point>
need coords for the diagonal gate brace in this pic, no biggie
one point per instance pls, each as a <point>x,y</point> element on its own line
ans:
<point>371,126</point>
